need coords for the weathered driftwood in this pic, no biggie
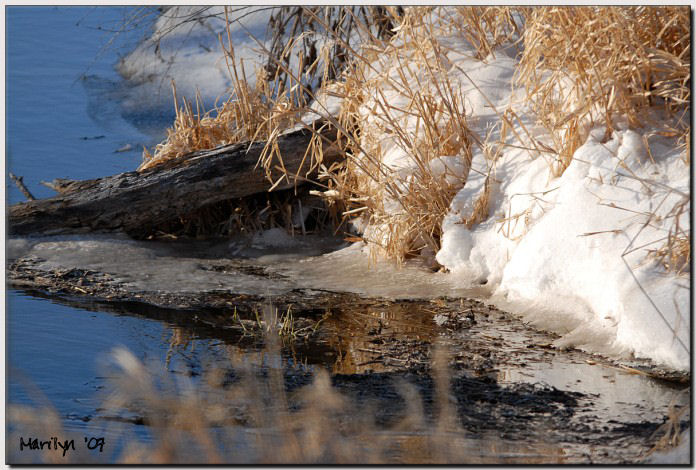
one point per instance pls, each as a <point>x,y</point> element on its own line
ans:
<point>65,186</point>
<point>19,181</point>
<point>136,202</point>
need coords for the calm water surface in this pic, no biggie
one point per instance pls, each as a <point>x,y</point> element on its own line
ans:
<point>63,116</point>
<point>63,120</point>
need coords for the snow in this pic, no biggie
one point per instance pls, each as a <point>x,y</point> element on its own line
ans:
<point>567,253</point>
<point>190,54</point>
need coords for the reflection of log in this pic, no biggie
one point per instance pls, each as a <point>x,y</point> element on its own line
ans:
<point>137,202</point>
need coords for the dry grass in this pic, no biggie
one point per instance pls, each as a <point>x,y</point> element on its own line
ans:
<point>259,113</point>
<point>487,28</point>
<point>297,63</point>
<point>580,66</point>
<point>394,179</point>
<point>586,65</point>
<point>250,114</point>
<point>675,253</point>
<point>671,430</point>
<point>401,110</point>
<point>275,104</point>
<point>244,410</point>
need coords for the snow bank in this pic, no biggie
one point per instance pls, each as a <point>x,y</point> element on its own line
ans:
<point>189,52</point>
<point>568,253</point>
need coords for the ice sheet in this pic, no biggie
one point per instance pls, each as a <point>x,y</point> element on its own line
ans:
<point>303,262</point>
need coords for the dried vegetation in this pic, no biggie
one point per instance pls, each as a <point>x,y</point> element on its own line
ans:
<point>244,413</point>
<point>400,132</point>
<point>402,121</point>
<point>587,65</point>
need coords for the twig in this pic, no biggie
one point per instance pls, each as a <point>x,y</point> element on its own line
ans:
<point>627,250</point>
<point>20,184</point>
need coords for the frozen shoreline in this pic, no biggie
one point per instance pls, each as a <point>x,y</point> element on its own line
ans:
<point>566,253</point>
<point>366,342</point>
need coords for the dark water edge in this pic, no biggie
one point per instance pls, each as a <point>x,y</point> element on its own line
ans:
<point>509,389</point>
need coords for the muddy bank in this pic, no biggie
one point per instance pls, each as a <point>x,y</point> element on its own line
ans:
<point>507,388</point>
<point>506,381</point>
<point>220,282</point>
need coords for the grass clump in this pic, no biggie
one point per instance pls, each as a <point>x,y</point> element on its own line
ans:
<point>674,255</point>
<point>410,145</point>
<point>250,114</point>
<point>583,65</point>
<point>314,51</point>
<point>487,28</point>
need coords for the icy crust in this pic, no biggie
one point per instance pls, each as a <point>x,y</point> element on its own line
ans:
<point>351,270</point>
<point>680,455</point>
<point>573,260</point>
<point>140,266</point>
<point>309,262</point>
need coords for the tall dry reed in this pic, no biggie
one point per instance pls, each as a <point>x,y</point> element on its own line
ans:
<point>587,65</point>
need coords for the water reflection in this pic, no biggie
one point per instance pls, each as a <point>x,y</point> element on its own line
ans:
<point>218,395</point>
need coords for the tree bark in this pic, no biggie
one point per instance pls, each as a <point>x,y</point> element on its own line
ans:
<point>137,202</point>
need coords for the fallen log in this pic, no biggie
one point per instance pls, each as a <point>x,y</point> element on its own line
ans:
<point>138,202</point>
<point>65,186</point>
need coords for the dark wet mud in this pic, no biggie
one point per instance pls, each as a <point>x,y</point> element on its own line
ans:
<point>505,384</point>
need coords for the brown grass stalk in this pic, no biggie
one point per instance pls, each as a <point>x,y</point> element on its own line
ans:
<point>584,65</point>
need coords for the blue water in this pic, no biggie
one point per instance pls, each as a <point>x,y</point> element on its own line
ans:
<point>59,354</point>
<point>60,357</point>
<point>63,119</point>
